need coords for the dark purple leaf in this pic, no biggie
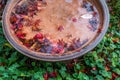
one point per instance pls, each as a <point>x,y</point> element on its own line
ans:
<point>93,22</point>
<point>88,6</point>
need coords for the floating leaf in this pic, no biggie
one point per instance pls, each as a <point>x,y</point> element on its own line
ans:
<point>87,16</point>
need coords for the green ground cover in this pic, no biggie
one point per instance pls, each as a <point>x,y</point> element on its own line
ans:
<point>102,63</point>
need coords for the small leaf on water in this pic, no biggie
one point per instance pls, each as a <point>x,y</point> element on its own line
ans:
<point>87,16</point>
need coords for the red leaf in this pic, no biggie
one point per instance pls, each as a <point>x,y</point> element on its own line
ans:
<point>27,44</point>
<point>107,68</point>
<point>13,27</point>
<point>36,23</point>
<point>94,13</point>
<point>99,30</point>
<point>13,18</point>
<point>45,76</point>
<point>58,50</point>
<point>60,28</point>
<point>114,75</point>
<point>20,35</point>
<point>20,26</point>
<point>53,74</point>
<point>38,36</point>
<point>70,65</point>
<point>74,20</point>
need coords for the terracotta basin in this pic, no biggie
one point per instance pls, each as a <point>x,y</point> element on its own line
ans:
<point>104,20</point>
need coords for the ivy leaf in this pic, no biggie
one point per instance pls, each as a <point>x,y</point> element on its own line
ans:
<point>83,76</point>
<point>5,75</point>
<point>14,77</point>
<point>91,78</point>
<point>1,79</point>
<point>2,68</point>
<point>49,69</point>
<point>105,73</point>
<point>13,67</point>
<point>0,23</point>
<point>95,55</point>
<point>117,71</point>
<point>98,77</point>
<point>59,77</point>
<point>77,67</point>
<point>75,75</point>
<point>1,31</point>
<point>95,72</point>
<point>99,64</point>
<point>117,79</point>
<point>62,72</point>
<point>12,58</point>
<point>38,76</point>
<point>33,63</point>
<point>114,61</point>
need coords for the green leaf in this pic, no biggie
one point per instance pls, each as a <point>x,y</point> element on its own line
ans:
<point>114,61</point>
<point>98,77</point>
<point>33,63</point>
<point>1,31</point>
<point>1,79</point>
<point>62,72</point>
<point>80,76</point>
<point>83,76</point>
<point>2,68</point>
<point>38,76</point>
<point>5,75</point>
<point>8,45</point>
<point>117,79</point>
<point>91,78</point>
<point>12,58</point>
<point>0,23</point>
<point>15,77</point>
<point>99,63</point>
<point>75,75</point>
<point>13,67</point>
<point>95,72</point>
<point>105,73</point>
<point>59,77</point>
<point>95,55</point>
<point>49,69</point>
<point>117,71</point>
<point>77,67</point>
<point>69,78</point>
<point>51,79</point>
